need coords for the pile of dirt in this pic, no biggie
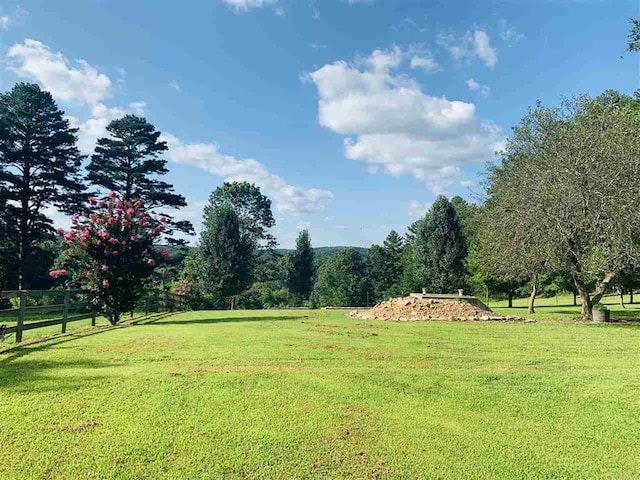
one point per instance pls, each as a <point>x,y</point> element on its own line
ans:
<point>406,309</point>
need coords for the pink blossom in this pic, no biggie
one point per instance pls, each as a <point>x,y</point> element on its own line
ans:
<point>133,238</point>
<point>164,254</point>
<point>118,211</point>
<point>138,204</point>
<point>93,201</point>
<point>74,220</point>
<point>113,195</point>
<point>104,268</point>
<point>58,273</point>
<point>157,230</point>
<point>60,230</point>
<point>113,241</point>
<point>111,221</point>
<point>151,262</point>
<point>99,242</point>
<point>93,217</point>
<point>163,219</point>
<point>115,253</point>
<point>119,204</point>
<point>100,203</point>
<point>124,222</point>
<point>103,234</point>
<point>105,283</point>
<point>130,211</point>
<point>99,221</point>
<point>156,282</point>
<point>83,237</point>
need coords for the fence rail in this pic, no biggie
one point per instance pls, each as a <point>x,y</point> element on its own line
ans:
<point>154,300</point>
<point>23,310</point>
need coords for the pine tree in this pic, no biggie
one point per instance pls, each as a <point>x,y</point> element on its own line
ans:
<point>303,270</point>
<point>129,162</point>
<point>441,250</point>
<point>394,247</point>
<point>224,255</point>
<point>342,280</point>
<point>39,167</point>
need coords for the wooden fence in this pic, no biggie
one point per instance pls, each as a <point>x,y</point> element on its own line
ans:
<point>69,311</point>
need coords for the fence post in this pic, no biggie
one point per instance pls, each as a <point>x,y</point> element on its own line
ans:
<point>23,305</point>
<point>65,313</point>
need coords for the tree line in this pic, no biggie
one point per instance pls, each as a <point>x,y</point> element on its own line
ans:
<point>557,212</point>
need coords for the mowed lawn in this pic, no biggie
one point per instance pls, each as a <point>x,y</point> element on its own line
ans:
<point>314,394</point>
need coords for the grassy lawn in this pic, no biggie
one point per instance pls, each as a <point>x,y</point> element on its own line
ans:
<point>313,394</point>
<point>561,307</point>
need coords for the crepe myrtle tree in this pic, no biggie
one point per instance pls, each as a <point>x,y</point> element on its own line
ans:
<point>111,253</point>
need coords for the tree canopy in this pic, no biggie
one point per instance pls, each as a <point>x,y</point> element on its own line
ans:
<point>39,166</point>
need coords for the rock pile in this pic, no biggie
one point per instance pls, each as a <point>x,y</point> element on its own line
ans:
<point>406,309</point>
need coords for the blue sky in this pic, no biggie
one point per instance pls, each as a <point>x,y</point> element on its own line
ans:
<point>350,115</point>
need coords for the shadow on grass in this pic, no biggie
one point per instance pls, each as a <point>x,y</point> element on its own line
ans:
<point>210,321</point>
<point>18,350</point>
<point>39,375</point>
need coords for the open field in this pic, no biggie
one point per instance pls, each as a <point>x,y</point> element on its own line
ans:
<point>561,307</point>
<point>313,394</point>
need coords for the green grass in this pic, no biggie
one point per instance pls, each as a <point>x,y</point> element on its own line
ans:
<point>313,394</point>
<point>561,308</point>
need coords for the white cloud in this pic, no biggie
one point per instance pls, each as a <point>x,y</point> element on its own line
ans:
<point>315,13</point>
<point>484,90</point>
<point>474,43</point>
<point>317,46</point>
<point>427,64</point>
<point>16,17</point>
<point>246,5</point>
<point>35,61</point>
<point>175,85</point>
<point>288,199</point>
<point>508,33</point>
<point>390,122</point>
<point>467,183</point>
<point>417,209</point>
<point>83,84</point>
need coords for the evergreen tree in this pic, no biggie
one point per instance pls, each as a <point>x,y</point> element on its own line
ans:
<point>39,168</point>
<point>302,268</point>
<point>342,280</point>
<point>394,247</point>
<point>128,162</point>
<point>441,250</point>
<point>224,255</point>
<point>378,270</point>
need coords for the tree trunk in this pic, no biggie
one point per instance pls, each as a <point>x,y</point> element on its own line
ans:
<point>587,301</point>
<point>586,309</point>
<point>575,299</point>
<point>621,292</point>
<point>115,318</point>
<point>631,296</point>
<point>532,297</point>
<point>510,304</point>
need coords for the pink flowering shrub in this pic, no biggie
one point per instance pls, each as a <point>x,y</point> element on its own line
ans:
<point>113,246</point>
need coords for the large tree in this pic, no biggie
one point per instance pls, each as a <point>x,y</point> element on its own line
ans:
<point>301,276</point>
<point>633,43</point>
<point>252,208</point>
<point>441,249</point>
<point>223,267</point>
<point>129,161</point>
<point>342,280</point>
<point>569,174</point>
<point>384,264</point>
<point>39,167</point>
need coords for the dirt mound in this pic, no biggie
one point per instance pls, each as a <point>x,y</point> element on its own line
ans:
<point>406,309</point>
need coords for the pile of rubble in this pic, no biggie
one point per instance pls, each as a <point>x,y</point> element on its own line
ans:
<point>407,309</point>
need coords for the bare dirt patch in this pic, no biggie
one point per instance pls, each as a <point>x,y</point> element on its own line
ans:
<point>88,425</point>
<point>407,309</point>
